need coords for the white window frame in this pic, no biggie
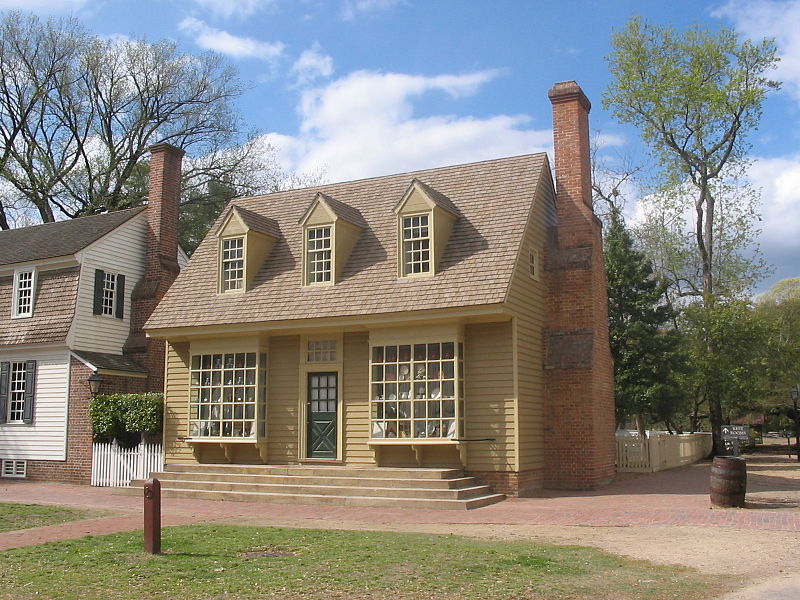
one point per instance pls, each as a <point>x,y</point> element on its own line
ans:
<point>19,289</point>
<point>416,248</point>
<point>417,393</point>
<point>17,382</point>
<point>319,255</point>
<point>227,398</point>
<point>232,264</point>
<point>109,302</point>
<point>321,351</point>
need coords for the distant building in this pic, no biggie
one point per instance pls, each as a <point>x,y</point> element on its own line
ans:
<point>73,298</point>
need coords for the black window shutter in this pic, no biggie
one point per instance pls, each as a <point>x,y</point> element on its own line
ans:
<point>99,279</point>
<point>119,292</point>
<point>30,391</point>
<point>4,369</point>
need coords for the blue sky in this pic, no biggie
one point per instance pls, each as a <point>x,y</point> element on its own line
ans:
<point>368,87</point>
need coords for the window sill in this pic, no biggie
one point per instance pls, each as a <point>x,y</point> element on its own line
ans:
<point>412,441</point>
<point>418,446</point>
<point>228,444</point>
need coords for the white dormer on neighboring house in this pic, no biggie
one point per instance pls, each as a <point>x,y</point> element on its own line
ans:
<point>73,294</point>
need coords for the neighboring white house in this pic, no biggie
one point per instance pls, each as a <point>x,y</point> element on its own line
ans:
<point>73,297</point>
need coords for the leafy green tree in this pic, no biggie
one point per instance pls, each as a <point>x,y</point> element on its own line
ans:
<point>781,307</point>
<point>645,347</point>
<point>732,349</point>
<point>694,96</point>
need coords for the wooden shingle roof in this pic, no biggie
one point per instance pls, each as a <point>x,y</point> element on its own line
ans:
<point>62,238</point>
<point>493,200</point>
<point>256,222</point>
<point>54,308</point>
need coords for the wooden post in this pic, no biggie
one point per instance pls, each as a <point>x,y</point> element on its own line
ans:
<point>152,516</point>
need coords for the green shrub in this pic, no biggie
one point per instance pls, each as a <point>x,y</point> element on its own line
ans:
<point>114,415</point>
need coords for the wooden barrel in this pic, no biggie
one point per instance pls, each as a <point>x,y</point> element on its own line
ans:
<point>728,481</point>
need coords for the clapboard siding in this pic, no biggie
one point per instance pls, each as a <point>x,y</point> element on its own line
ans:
<point>355,400</point>
<point>489,397</point>
<point>526,298</point>
<point>46,438</point>
<point>283,399</point>
<point>121,251</point>
<point>176,400</point>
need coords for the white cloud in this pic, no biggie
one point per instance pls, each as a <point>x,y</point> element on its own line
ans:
<point>351,8</point>
<point>222,41</point>
<point>312,65</point>
<point>779,181</point>
<point>364,124</point>
<point>234,8</point>
<point>43,5</point>
<point>759,19</point>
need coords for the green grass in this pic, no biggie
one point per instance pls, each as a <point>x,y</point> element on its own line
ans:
<point>221,561</point>
<point>25,516</point>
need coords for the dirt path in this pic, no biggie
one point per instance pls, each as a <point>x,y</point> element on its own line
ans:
<point>664,518</point>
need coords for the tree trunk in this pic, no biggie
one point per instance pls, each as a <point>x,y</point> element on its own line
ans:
<point>640,425</point>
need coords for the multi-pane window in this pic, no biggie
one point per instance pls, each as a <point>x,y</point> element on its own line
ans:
<point>109,293</point>
<point>417,391</point>
<point>16,392</point>
<point>232,264</point>
<point>533,264</point>
<point>23,294</point>
<point>416,245</point>
<point>321,351</point>
<point>318,258</point>
<point>225,389</point>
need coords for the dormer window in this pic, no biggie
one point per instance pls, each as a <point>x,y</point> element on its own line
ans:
<point>330,232</point>
<point>425,219</point>
<point>318,247</point>
<point>246,239</point>
<point>232,264</point>
<point>416,245</point>
<point>24,285</point>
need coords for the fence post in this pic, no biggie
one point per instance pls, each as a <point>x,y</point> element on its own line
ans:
<point>152,516</point>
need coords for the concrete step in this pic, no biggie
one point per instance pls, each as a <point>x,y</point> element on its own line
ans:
<point>365,501</point>
<point>329,484</point>
<point>351,482</point>
<point>321,471</point>
<point>303,489</point>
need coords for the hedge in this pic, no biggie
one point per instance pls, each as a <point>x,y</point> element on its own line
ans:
<point>114,415</point>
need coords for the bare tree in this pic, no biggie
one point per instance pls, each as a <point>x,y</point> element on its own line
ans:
<point>77,114</point>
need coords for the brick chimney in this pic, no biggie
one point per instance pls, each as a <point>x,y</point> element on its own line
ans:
<point>579,396</point>
<point>161,258</point>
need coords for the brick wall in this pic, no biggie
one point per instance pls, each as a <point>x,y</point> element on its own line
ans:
<point>161,266</point>
<point>579,430</point>
<point>510,483</point>
<point>77,468</point>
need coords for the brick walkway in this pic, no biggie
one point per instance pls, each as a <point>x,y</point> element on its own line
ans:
<point>670,498</point>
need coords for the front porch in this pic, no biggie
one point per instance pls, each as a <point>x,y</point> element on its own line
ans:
<point>421,488</point>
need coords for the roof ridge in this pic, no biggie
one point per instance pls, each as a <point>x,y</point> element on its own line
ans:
<point>323,186</point>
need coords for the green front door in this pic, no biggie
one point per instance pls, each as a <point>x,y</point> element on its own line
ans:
<point>322,405</point>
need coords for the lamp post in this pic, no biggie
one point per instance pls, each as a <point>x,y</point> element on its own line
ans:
<point>95,379</point>
<point>794,392</point>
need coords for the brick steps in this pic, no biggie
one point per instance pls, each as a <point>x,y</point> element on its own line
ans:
<point>334,485</point>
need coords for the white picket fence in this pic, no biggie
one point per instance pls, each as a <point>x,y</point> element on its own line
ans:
<point>660,450</point>
<point>113,466</point>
